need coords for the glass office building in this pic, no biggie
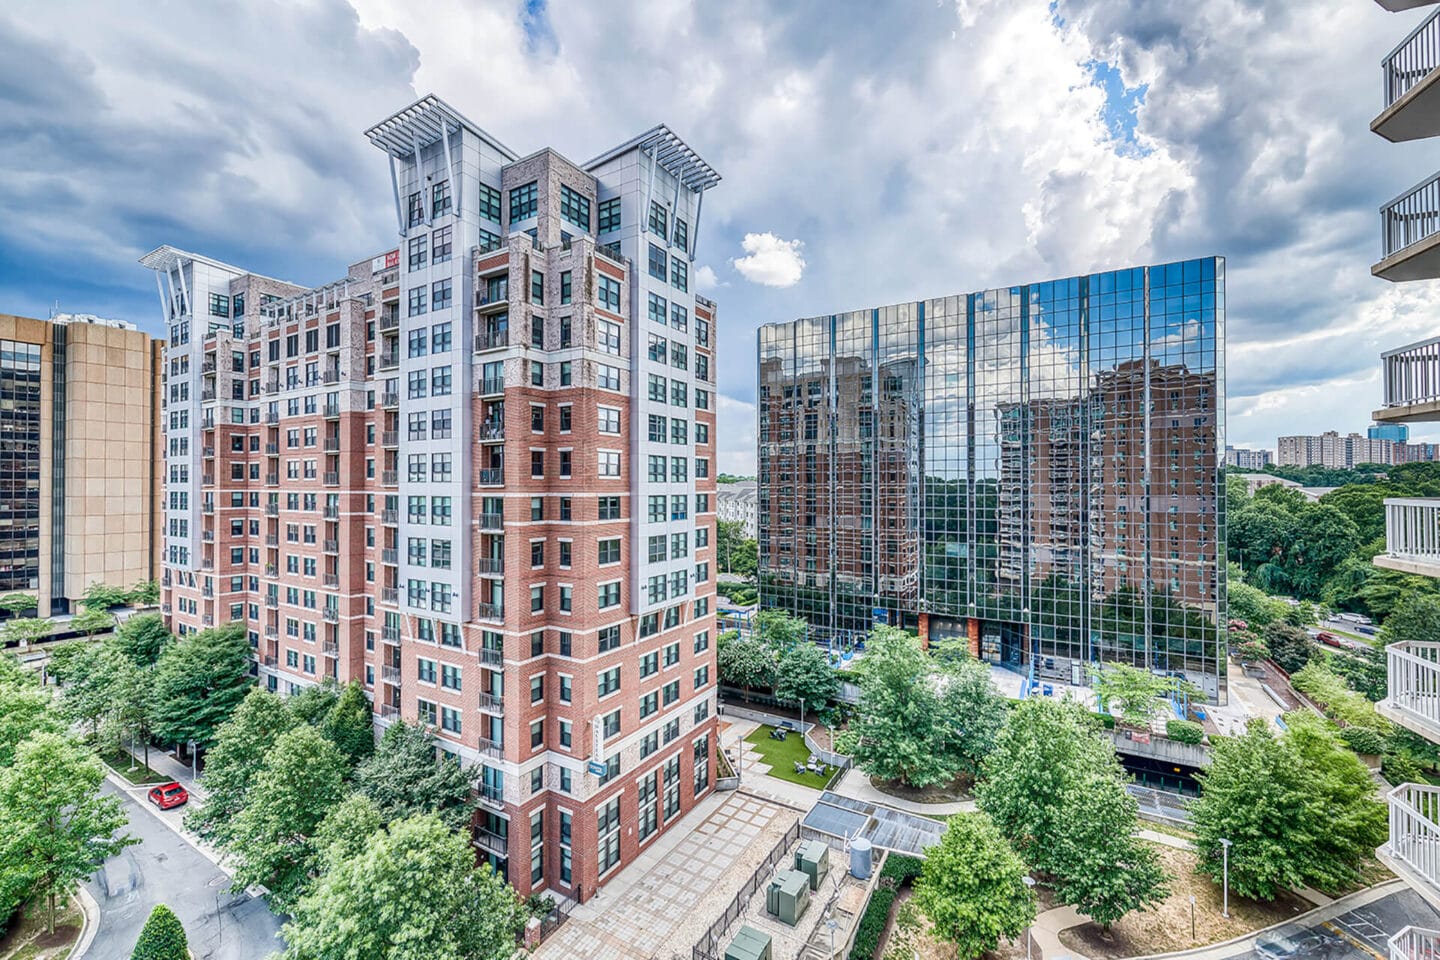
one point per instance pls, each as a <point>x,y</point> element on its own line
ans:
<point>1033,469</point>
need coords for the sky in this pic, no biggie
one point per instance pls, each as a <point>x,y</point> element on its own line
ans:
<point>872,152</point>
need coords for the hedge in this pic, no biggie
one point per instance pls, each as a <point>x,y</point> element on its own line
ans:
<point>1184,731</point>
<point>1362,740</point>
<point>899,872</point>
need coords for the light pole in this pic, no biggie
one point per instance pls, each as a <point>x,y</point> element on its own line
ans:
<point>1029,882</point>
<point>1225,872</point>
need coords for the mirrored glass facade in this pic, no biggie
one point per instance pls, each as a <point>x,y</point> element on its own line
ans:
<point>1035,469</point>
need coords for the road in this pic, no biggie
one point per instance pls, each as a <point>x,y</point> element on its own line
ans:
<point>1360,934</point>
<point>165,868</point>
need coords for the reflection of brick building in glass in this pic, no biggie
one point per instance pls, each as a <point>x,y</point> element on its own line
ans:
<point>1034,469</point>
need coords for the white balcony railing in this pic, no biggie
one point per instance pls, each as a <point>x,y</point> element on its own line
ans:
<point>1412,59</point>
<point>1412,534</point>
<point>1412,373</point>
<point>1411,217</point>
<point>1415,943</point>
<point>1414,843</point>
<point>1412,697</point>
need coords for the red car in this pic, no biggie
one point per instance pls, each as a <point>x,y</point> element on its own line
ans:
<point>168,796</point>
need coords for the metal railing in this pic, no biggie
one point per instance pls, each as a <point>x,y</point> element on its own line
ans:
<point>1411,217</point>
<point>389,478</point>
<point>390,635</point>
<point>490,565</point>
<point>1412,529</point>
<point>492,340</point>
<point>492,521</point>
<point>492,430</point>
<point>711,946</point>
<point>389,674</point>
<point>491,702</point>
<point>332,478</point>
<point>492,657</point>
<point>389,595</point>
<point>491,748</point>
<point>1412,60</point>
<point>1412,673</point>
<point>492,385</point>
<point>331,512</point>
<point>332,410</point>
<point>332,444</point>
<point>1411,374</point>
<point>330,546</point>
<point>1415,943</point>
<point>488,840</point>
<point>490,611</point>
<point>390,438</point>
<point>389,399</point>
<point>1414,834</point>
<point>390,556</point>
<point>491,793</point>
<point>389,359</point>
<point>491,476</point>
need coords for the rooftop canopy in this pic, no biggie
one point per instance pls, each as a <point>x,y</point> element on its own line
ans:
<point>672,153</point>
<point>420,124</point>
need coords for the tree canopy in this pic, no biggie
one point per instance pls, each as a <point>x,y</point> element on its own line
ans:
<point>199,681</point>
<point>163,938</point>
<point>142,638</point>
<point>241,745</point>
<point>407,775</point>
<point>973,887</point>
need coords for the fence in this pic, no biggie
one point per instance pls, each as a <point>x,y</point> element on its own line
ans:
<point>709,947</point>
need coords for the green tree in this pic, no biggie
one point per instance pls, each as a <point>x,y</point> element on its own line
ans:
<point>241,745</point>
<point>972,713</point>
<point>746,662</point>
<point>17,603</point>
<point>1108,871</point>
<point>142,638</point>
<point>345,831</point>
<point>297,784</point>
<point>350,724</point>
<point>465,914</point>
<point>1130,690</point>
<point>199,682</point>
<point>146,592</point>
<point>973,887</point>
<point>63,658</point>
<point>25,631</point>
<point>92,621</point>
<point>314,703</point>
<point>131,701</point>
<point>24,712</point>
<point>55,827</point>
<point>1253,605</point>
<point>1262,532</point>
<point>1289,646</point>
<point>103,596</point>
<point>1414,620</point>
<point>1323,538</point>
<point>163,938</point>
<point>779,629</point>
<point>408,775</point>
<point>735,552</point>
<point>804,676</point>
<point>89,691</point>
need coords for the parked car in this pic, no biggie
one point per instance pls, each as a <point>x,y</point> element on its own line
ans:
<point>1329,639</point>
<point>170,795</point>
<point>1367,629</point>
<point>1299,945</point>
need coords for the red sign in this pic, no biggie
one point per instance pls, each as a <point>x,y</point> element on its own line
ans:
<point>389,261</point>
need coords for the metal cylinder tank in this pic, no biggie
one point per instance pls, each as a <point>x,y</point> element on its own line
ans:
<point>860,858</point>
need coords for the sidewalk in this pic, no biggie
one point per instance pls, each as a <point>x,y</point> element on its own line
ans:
<point>856,785</point>
<point>166,765</point>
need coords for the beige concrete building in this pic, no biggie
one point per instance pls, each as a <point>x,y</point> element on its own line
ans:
<point>80,453</point>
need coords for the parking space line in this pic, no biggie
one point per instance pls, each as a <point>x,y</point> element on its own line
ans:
<point>1339,930</point>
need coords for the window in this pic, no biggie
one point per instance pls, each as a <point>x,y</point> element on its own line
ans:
<point>608,420</point>
<point>440,294</point>
<point>608,682</point>
<point>608,830</point>
<point>537,287</point>
<point>609,215</point>
<point>441,242</point>
<point>649,664</point>
<point>523,201</point>
<point>657,308</point>
<point>607,336</point>
<point>657,428</point>
<point>656,472</point>
<point>566,286</point>
<point>417,301</point>
<point>679,356</point>
<point>417,249</point>
<point>608,638</point>
<point>440,381</point>
<point>678,429</point>
<point>575,207</point>
<point>679,273</point>
<point>658,216</point>
<point>440,337</point>
<point>650,703</point>
<point>655,551</point>
<point>609,463</point>
<point>537,332</point>
<point>682,234</point>
<point>702,676</point>
<point>537,373</point>
<point>440,199</point>
<point>566,458</point>
<point>656,348</point>
<point>489,203</point>
<point>609,551</point>
<point>608,595</point>
<point>607,377</point>
<point>657,262</point>
<point>537,463</point>
<point>657,385</point>
<point>566,599</point>
<point>566,373</point>
<point>609,508</point>
<point>679,393</point>
<point>656,512</point>
<point>219,305</point>
<point>678,316</point>
<point>608,293</point>
<point>416,206</point>
<point>537,688</point>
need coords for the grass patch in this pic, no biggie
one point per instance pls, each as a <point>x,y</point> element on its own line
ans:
<point>782,755</point>
<point>26,939</point>
<point>132,769</point>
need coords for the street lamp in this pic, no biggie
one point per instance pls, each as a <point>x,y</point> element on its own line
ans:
<point>1225,868</point>
<point>1029,882</point>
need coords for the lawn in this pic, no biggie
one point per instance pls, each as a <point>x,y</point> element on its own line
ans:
<point>782,755</point>
<point>132,769</point>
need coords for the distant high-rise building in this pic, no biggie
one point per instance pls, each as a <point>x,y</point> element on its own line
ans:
<point>476,475</point>
<point>1394,432</point>
<point>79,457</point>
<point>1243,458</point>
<point>1333,451</point>
<point>1033,469</point>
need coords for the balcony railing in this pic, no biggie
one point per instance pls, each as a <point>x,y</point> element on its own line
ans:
<point>493,842</point>
<point>490,565</point>
<point>492,657</point>
<point>272,509</point>
<point>493,795</point>
<point>1410,218</point>
<point>390,438</point>
<point>1412,696</point>
<point>388,711</point>
<point>332,512</point>
<point>332,411</point>
<point>491,748</point>
<point>389,595</point>
<point>1412,60</point>
<point>390,515</point>
<point>491,476</point>
<point>491,611</point>
<point>390,556</point>
<point>390,674</point>
<point>489,386</point>
<point>491,702</point>
<point>389,319</point>
<point>332,580</point>
<point>1412,536</point>
<point>492,340</point>
<point>331,648</point>
<point>492,430</point>
<point>390,635</point>
<point>389,478</point>
<point>332,478</point>
<point>1415,943</point>
<point>331,614</point>
<point>1414,842</point>
<point>389,360</point>
<point>492,521</point>
<point>1412,374</point>
<point>332,444</point>
<point>331,546</point>
<point>390,400</point>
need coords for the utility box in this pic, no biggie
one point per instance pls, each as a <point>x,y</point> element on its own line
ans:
<point>813,860</point>
<point>788,896</point>
<point>749,944</point>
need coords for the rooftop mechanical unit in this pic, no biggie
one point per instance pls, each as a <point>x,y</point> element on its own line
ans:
<point>788,896</point>
<point>749,944</point>
<point>813,860</point>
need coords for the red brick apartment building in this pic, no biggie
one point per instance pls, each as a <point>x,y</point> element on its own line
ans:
<point>477,475</point>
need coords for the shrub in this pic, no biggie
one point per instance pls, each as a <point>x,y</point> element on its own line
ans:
<point>163,938</point>
<point>844,741</point>
<point>872,924</point>
<point>1184,731</point>
<point>1362,740</point>
<point>1319,683</point>
<point>902,869</point>
<point>1106,720</point>
<point>1398,768</point>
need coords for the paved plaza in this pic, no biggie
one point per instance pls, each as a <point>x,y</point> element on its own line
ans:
<point>661,904</point>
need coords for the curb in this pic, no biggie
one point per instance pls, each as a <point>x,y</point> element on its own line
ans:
<point>91,912</point>
<point>126,787</point>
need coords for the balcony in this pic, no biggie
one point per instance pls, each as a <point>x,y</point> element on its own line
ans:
<point>331,648</point>
<point>389,319</point>
<point>207,394</point>
<point>390,516</point>
<point>389,399</point>
<point>272,417</point>
<point>332,581</point>
<point>491,476</point>
<point>492,521</point>
<point>332,444</point>
<point>272,449</point>
<point>272,633</point>
<point>1412,851</point>
<point>389,359</point>
<point>492,340</point>
<point>271,661</point>
<point>272,509</point>
<point>208,453</point>
<point>491,748</point>
<point>492,795</point>
<point>390,635</point>
<point>332,411</point>
<point>389,595</point>
<point>1411,383</point>
<point>1412,536</point>
<point>332,512</point>
<point>491,430</point>
<point>1415,943</point>
<point>389,711</point>
<point>390,674</point>
<point>331,546</point>
<point>1410,234</point>
<point>389,478</point>
<point>1412,697</point>
<point>272,479</point>
<point>207,507</point>
<point>492,657</point>
<point>490,611</point>
<point>390,556</point>
<point>1412,86</point>
<point>492,842</point>
<point>272,386</point>
<point>207,591</point>
<point>492,386</point>
<point>493,296</point>
<point>166,608</point>
<point>330,614</point>
<point>330,376</point>
<point>390,438</point>
<point>332,478</point>
<point>272,600</point>
<point>490,566</point>
<point>207,423</point>
<point>491,702</point>
<point>207,480</point>
<point>208,620</point>
<point>208,536</point>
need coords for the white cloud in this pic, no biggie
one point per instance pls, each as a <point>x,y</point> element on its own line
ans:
<point>735,445</point>
<point>705,279</point>
<point>770,261</point>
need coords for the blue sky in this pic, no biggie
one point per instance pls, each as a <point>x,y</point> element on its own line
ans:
<point>872,153</point>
